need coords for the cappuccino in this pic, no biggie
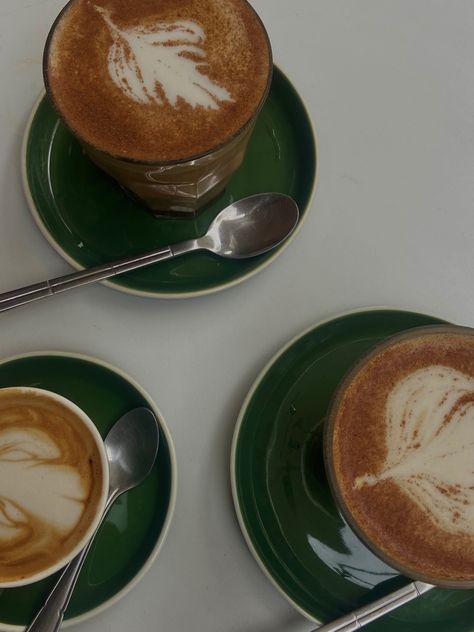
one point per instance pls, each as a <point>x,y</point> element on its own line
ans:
<point>163,94</point>
<point>157,80</point>
<point>400,452</point>
<point>52,482</point>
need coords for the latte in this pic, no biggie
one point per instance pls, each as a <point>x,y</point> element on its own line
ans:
<point>157,80</point>
<point>400,452</point>
<point>52,482</point>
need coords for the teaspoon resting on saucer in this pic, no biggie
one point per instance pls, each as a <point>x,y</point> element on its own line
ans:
<point>246,228</point>
<point>131,446</point>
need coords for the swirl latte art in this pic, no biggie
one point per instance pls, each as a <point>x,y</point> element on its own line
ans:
<point>141,58</point>
<point>50,482</point>
<point>401,436</point>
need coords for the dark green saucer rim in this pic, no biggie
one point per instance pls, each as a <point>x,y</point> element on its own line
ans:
<point>173,491</point>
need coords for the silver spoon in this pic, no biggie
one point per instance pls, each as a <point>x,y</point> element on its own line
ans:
<point>246,228</point>
<point>132,446</point>
<point>356,619</point>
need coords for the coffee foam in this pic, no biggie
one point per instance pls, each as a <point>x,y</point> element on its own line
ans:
<point>429,426</point>
<point>142,58</point>
<point>158,80</point>
<point>50,482</point>
<point>403,448</point>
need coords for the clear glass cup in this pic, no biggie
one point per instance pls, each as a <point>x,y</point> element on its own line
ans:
<point>336,485</point>
<point>176,187</point>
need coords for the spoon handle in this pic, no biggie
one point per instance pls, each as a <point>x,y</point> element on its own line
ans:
<point>50,616</point>
<point>362,616</point>
<point>29,293</point>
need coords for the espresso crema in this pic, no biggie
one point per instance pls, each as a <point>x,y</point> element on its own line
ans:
<point>50,482</point>
<point>403,453</point>
<point>157,80</point>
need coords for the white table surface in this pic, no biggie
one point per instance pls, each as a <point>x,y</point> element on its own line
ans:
<point>390,87</point>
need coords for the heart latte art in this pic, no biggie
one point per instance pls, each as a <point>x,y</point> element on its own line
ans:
<point>50,481</point>
<point>401,435</point>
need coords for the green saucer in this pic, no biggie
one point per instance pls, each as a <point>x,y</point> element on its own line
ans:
<point>136,526</point>
<point>281,494</point>
<point>89,219</point>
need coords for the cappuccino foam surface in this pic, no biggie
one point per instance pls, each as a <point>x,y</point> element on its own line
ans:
<point>50,482</point>
<point>403,453</point>
<point>158,80</point>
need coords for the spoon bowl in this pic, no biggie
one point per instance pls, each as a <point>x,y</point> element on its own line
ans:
<point>251,226</point>
<point>131,445</point>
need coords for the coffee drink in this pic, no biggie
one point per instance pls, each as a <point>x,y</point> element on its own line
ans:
<point>400,452</point>
<point>52,482</point>
<point>160,81</point>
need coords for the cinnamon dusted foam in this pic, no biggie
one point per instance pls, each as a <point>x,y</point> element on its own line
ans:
<point>402,452</point>
<point>157,80</point>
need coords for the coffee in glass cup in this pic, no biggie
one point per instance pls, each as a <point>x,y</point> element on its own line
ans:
<point>399,452</point>
<point>53,483</point>
<point>162,94</point>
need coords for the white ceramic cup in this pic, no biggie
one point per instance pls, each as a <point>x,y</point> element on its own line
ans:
<point>26,474</point>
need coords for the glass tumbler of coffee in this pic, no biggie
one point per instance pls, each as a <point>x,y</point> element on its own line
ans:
<point>163,96</point>
<point>399,449</point>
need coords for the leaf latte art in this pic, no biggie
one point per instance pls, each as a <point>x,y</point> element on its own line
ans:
<point>401,440</point>
<point>430,445</point>
<point>154,80</point>
<point>143,57</point>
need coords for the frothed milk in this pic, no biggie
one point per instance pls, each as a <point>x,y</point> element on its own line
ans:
<point>429,426</point>
<point>51,481</point>
<point>160,81</point>
<point>402,452</point>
